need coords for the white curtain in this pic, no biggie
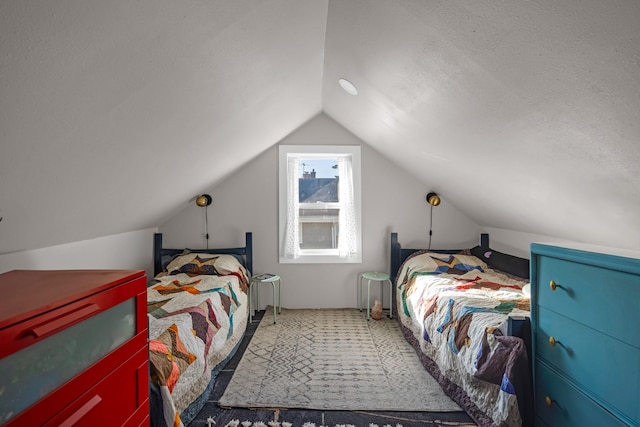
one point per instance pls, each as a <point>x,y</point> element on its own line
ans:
<point>291,249</point>
<point>347,240</point>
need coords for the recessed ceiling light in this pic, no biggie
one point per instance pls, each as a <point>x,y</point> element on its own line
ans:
<point>348,87</point>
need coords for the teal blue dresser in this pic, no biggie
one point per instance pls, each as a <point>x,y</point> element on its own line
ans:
<point>585,312</point>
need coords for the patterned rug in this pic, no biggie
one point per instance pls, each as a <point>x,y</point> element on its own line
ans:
<point>333,360</point>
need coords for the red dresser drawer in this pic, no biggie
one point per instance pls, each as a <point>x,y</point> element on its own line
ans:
<point>113,400</point>
<point>93,332</point>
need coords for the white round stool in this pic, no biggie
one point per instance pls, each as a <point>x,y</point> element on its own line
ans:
<point>275,282</point>
<point>379,277</point>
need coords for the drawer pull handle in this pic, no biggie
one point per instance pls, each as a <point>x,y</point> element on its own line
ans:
<point>548,401</point>
<point>553,341</point>
<point>84,410</point>
<point>62,321</point>
<point>553,285</point>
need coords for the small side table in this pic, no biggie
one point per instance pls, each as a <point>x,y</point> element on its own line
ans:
<point>379,277</point>
<point>275,282</point>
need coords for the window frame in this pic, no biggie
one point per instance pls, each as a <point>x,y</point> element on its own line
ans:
<point>309,256</point>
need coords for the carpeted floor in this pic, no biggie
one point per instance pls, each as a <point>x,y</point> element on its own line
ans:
<point>298,417</point>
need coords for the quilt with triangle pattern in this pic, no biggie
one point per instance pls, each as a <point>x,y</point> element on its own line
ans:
<point>457,308</point>
<point>195,323</point>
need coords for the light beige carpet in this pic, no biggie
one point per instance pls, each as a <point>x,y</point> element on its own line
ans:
<point>332,360</point>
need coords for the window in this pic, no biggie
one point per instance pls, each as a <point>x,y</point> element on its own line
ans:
<point>319,204</point>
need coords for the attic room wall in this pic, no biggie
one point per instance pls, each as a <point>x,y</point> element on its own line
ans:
<point>392,200</point>
<point>127,251</point>
<point>518,243</point>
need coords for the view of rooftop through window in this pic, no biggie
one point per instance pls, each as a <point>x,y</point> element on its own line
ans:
<point>318,193</point>
<point>320,168</point>
<point>318,181</point>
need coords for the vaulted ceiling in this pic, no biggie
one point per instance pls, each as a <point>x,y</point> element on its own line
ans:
<point>525,114</point>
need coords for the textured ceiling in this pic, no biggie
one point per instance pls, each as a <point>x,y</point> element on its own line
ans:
<point>523,114</point>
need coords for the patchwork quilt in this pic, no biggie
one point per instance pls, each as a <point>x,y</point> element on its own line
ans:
<point>195,323</point>
<point>457,308</point>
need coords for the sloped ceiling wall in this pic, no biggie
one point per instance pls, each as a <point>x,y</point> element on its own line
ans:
<point>113,115</point>
<point>524,113</point>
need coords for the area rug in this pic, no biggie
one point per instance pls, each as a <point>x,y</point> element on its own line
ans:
<point>332,360</point>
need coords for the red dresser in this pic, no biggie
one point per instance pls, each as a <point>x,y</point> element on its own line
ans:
<point>73,348</point>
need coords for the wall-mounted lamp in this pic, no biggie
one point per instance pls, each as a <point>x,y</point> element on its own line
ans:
<point>203,200</point>
<point>433,199</point>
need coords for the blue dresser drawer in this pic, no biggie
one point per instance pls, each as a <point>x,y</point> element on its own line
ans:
<point>595,296</point>
<point>559,404</point>
<point>589,302</point>
<point>592,360</point>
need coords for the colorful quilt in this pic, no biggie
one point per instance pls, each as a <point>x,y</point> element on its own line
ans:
<point>457,308</point>
<point>195,322</point>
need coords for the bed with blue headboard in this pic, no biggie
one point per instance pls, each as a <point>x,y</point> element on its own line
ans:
<point>466,313</point>
<point>197,308</point>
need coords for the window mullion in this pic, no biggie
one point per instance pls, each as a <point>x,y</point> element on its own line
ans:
<point>319,206</point>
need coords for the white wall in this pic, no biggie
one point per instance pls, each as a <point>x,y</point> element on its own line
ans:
<point>126,251</point>
<point>519,243</point>
<point>516,242</point>
<point>392,200</point>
